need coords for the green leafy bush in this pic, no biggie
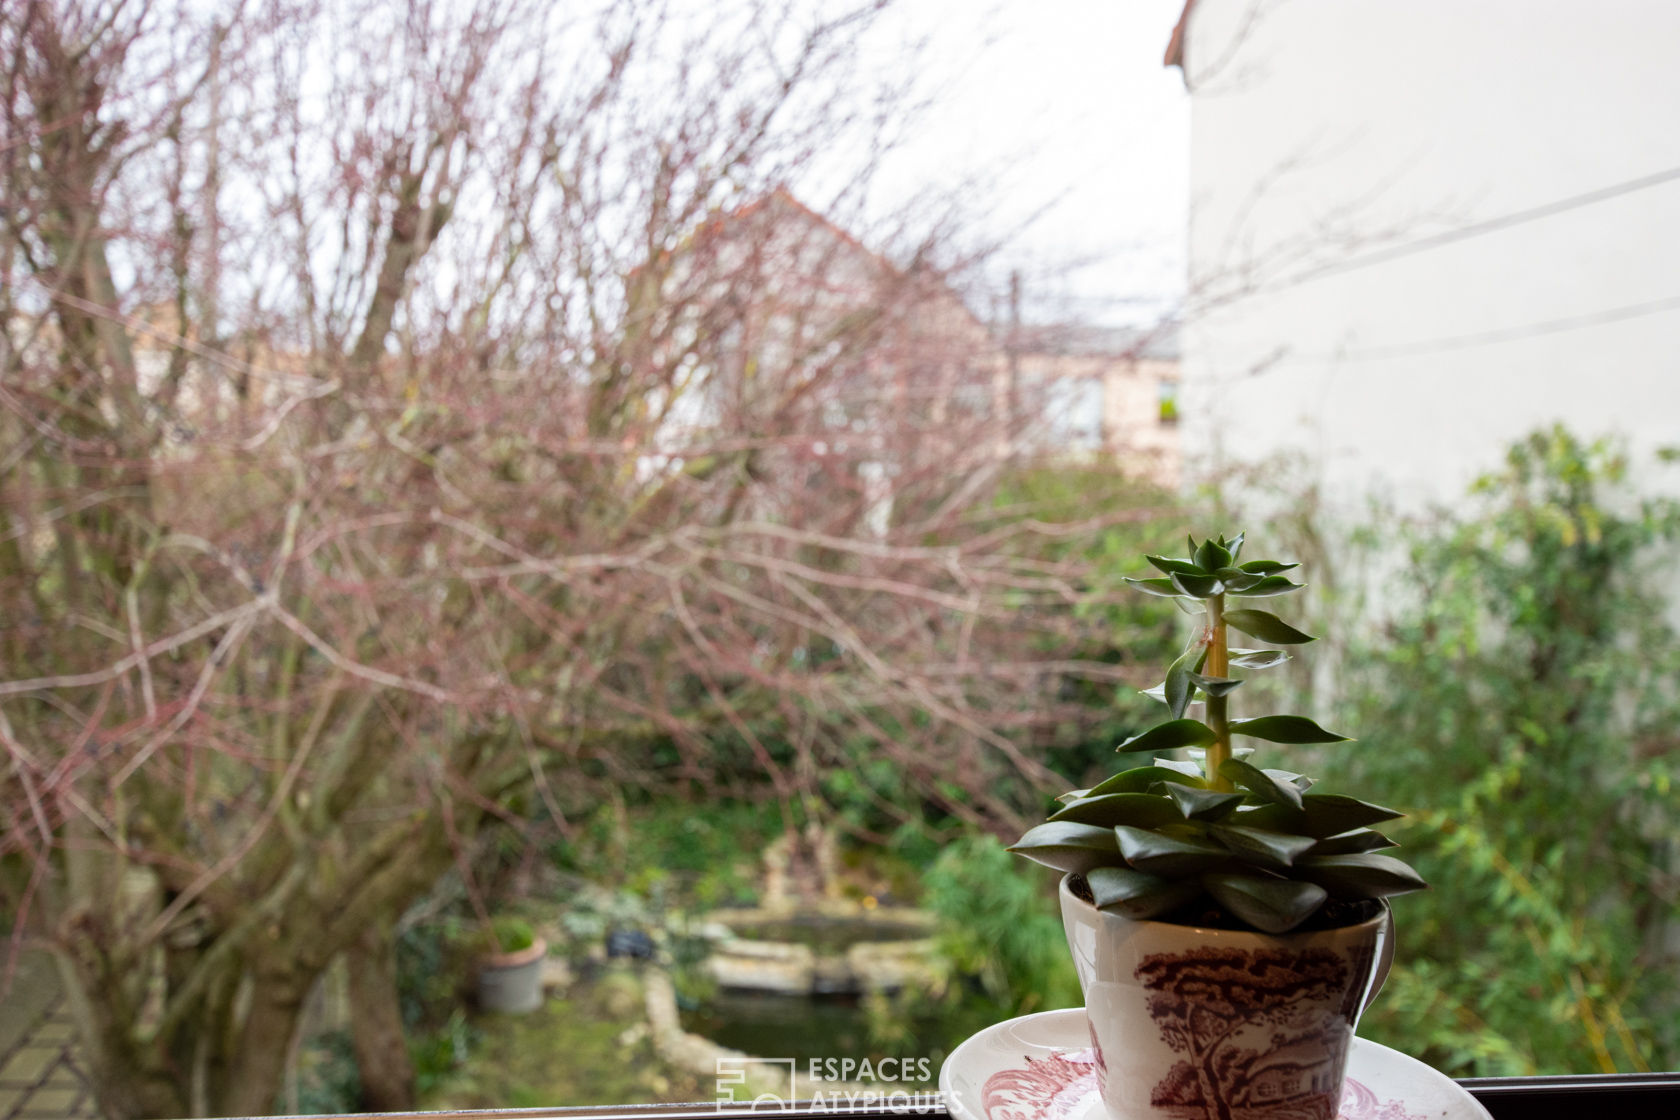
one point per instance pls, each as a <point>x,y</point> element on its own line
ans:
<point>994,924</point>
<point>1519,699</point>
<point>510,935</point>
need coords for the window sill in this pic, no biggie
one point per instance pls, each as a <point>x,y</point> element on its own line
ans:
<point>1507,1098</point>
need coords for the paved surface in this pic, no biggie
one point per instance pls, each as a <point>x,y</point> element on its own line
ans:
<point>42,1073</point>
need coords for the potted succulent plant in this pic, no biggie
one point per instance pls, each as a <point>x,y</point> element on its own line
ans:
<point>510,973</point>
<point>1227,922</point>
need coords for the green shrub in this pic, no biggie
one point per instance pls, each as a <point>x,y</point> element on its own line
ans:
<point>1000,925</point>
<point>511,935</point>
<point>1520,706</point>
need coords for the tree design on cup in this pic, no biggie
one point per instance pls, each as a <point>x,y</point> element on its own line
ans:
<point>1208,1002</point>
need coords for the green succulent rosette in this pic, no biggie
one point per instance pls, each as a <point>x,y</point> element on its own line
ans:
<point>1175,837</point>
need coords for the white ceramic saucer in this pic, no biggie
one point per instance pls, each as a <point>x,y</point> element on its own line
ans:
<point>1041,1067</point>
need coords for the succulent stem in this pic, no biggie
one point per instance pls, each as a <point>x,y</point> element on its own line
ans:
<point>1218,665</point>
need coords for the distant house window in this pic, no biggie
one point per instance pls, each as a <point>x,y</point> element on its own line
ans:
<point>1167,396</point>
<point>1074,413</point>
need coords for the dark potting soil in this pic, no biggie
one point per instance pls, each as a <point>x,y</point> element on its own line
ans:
<point>1207,914</point>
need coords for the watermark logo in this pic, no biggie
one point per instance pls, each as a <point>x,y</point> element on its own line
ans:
<point>754,1083</point>
<point>826,1084</point>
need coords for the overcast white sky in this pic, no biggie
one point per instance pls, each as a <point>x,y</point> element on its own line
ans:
<point>1069,102</point>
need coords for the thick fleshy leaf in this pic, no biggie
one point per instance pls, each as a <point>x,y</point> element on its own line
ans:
<point>1320,815</point>
<point>1285,729</point>
<point>1200,753</point>
<point>1360,875</point>
<point>1214,686</point>
<point>1234,546</point>
<point>1260,783</point>
<point>1349,843</point>
<point>1258,658</point>
<point>1299,781</point>
<point>1156,586</point>
<point>1144,810</point>
<point>1188,769</point>
<point>1212,556</point>
<point>1268,904</point>
<point>1133,894</point>
<point>1260,846</point>
<point>1068,846</point>
<point>1169,736</point>
<point>1140,778</point>
<point>1172,857</point>
<point>1199,587</point>
<point>1266,567</point>
<point>1072,795</point>
<point>1200,804</point>
<point>1267,627</point>
<point>1178,686</point>
<point>1270,585</point>
<point>1171,564</point>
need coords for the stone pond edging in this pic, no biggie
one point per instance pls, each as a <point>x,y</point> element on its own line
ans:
<point>791,968</point>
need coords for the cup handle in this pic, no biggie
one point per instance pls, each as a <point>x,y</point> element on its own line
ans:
<point>1385,958</point>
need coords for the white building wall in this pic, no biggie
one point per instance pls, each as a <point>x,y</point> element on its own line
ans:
<point>1326,133</point>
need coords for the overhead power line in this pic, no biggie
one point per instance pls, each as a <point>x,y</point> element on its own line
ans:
<point>1508,334</point>
<point>1477,229</point>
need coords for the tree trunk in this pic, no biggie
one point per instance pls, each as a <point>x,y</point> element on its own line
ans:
<point>376,1023</point>
<point>257,1066</point>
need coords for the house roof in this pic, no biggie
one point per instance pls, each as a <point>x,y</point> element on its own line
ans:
<point>1175,45</point>
<point>1085,340</point>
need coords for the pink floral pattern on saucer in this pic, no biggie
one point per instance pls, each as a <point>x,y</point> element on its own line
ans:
<point>1063,1086</point>
<point>1053,1088</point>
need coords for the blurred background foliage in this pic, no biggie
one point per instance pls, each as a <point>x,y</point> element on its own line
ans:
<point>1512,673</point>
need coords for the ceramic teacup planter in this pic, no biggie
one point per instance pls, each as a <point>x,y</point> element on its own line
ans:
<point>1190,1023</point>
<point>1228,925</point>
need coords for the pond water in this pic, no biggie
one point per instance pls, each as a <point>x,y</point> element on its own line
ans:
<point>825,935</point>
<point>804,1028</point>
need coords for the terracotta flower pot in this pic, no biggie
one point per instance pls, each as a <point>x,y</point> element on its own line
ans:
<point>512,982</point>
<point>1192,1023</point>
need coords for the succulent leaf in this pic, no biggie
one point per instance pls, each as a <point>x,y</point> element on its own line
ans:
<point>1266,567</point>
<point>1171,564</point>
<point>1268,585</point>
<point>1110,809</point>
<point>1212,556</point>
<point>1269,904</point>
<point>1275,851</point>
<point>1195,586</point>
<point>1267,627</point>
<point>1261,784</point>
<point>1157,586</point>
<point>1134,894</point>
<point>1214,686</point>
<point>1201,804</point>
<point>1179,686</point>
<point>1285,729</point>
<point>1299,781</point>
<point>1141,778</point>
<point>1169,736</point>
<point>1360,875</point>
<point>1351,842</point>
<point>1068,846</point>
<point>1257,658</point>
<point>1188,769</point>
<point>1167,855</point>
<point>1320,815</point>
